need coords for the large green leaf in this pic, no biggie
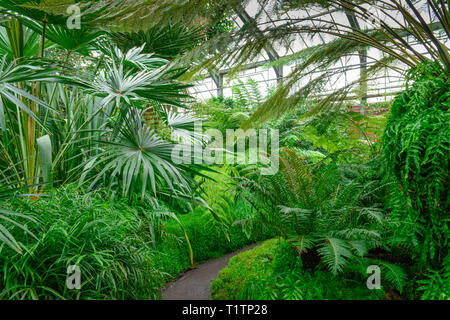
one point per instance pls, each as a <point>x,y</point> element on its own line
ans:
<point>45,158</point>
<point>140,160</point>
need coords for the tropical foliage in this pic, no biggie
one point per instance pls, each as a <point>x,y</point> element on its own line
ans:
<point>92,119</point>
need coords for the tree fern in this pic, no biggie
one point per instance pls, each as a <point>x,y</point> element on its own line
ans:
<point>318,208</point>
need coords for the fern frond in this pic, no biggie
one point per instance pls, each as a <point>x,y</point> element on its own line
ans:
<point>394,274</point>
<point>335,253</point>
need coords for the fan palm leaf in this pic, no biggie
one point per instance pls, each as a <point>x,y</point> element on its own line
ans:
<point>73,40</point>
<point>166,41</point>
<point>119,84</point>
<point>140,160</point>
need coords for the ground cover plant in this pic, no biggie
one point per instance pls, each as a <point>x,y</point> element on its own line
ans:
<point>274,271</point>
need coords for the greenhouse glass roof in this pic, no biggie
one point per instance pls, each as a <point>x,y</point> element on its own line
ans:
<point>267,74</point>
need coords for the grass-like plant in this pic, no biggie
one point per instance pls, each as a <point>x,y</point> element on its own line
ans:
<point>106,240</point>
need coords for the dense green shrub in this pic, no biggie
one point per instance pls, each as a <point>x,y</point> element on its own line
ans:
<point>123,251</point>
<point>303,285</point>
<point>105,239</point>
<point>208,239</point>
<point>436,283</point>
<point>416,146</point>
<point>274,271</point>
<point>248,265</point>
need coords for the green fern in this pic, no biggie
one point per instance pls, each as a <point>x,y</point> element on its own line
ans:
<point>335,253</point>
<point>321,209</point>
<point>416,146</point>
<point>436,284</point>
<point>393,274</point>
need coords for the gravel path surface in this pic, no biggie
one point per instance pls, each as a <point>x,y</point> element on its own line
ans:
<point>195,284</point>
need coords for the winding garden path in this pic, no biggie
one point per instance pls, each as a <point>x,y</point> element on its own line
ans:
<point>195,284</point>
